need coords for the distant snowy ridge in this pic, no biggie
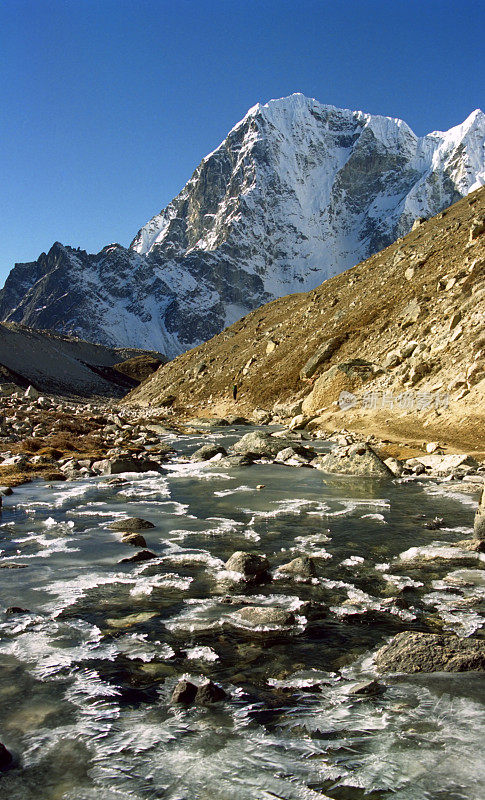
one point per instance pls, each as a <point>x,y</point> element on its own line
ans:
<point>298,191</point>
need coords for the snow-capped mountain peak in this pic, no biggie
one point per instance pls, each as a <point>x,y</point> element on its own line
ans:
<point>297,192</point>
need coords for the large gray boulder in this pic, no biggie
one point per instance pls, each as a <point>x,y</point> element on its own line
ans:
<point>357,459</point>
<point>258,445</point>
<point>479,525</point>
<point>430,652</point>
<point>251,566</point>
<point>126,463</point>
<point>116,465</point>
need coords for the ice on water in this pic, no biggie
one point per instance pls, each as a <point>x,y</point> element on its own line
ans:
<point>179,613</point>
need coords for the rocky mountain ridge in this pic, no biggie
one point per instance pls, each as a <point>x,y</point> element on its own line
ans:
<point>297,192</point>
<point>398,339</point>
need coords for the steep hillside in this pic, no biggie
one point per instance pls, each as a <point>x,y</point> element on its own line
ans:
<point>408,320</point>
<point>296,193</point>
<point>62,365</point>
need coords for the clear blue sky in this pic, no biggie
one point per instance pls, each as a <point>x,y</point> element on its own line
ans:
<point>108,105</point>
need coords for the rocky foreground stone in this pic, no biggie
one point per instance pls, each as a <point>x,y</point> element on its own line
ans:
<point>301,568</point>
<point>265,617</point>
<point>187,693</point>
<point>257,444</point>
<point>251,567</point>
<point>359,459</point>
<point>412,652</point>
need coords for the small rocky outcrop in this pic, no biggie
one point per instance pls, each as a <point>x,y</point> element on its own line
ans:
<point>235,419</point>
<point>429,652</point>
<point>265,616</point>
<point>184,693</point>
<point>301,568</point>
<point>358,459</point>
<point>325,389</point>
<point>130,524</point>
<point>208,422</point>
<point>141,555</point>
<point>261,416</point>
<point>477,228</point>
<point>395,466</point>
<point>126,463</point>
<point>209,693</point>
<point>251,566</point>
<point>299,422</point>
<point>257,445</point>
<point>479,524</point>
<point>295,454</point>
<point>31,393</point>
<point>187,693</point>
<point>208,451</point>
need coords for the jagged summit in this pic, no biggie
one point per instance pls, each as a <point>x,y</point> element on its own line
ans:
<point>297,192</point>
<point>297,103</point>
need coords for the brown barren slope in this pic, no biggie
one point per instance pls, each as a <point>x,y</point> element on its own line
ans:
<point>414,312</point>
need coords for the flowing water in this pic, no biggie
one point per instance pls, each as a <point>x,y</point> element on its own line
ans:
<point>88,669</point>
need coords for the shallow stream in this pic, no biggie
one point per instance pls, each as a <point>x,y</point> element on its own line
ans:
<point>88,669</point>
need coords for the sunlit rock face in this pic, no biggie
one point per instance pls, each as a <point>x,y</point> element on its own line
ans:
<point>297,192</point>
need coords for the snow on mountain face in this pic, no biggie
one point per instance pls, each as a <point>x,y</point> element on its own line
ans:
<point>297,192</point>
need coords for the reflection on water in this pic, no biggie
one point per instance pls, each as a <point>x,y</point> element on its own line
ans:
<point>88,667</point>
